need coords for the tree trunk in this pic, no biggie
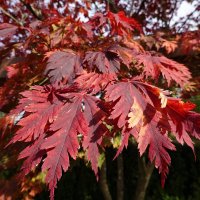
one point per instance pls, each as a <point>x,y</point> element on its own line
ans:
<point>145,172</point>
<point>120,177</point>
<point>103,182</point>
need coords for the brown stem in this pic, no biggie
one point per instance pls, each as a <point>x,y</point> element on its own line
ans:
<point>103,182</point>
<point>120,177</point>
<point>12,17</point>
<point>31,9</point>
<point>142,6</point>
<point>145,172</point>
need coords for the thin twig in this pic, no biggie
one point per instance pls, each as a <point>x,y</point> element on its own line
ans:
<point>131,9</point>
<point>141,7</point>
<point>11,16</point>
<point>186,20</point>
<point>31,9</point>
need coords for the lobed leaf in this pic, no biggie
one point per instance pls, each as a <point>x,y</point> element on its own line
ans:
<point>63,65</point>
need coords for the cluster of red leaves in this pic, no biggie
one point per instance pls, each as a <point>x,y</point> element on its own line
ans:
<point>92,70</point>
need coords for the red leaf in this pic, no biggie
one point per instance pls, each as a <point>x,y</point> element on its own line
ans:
<point>40,111</point>
<point>55,120</point>
<point>64,141</point>
<point>124,94</point>
<point>12,70</point>
<point>171,70</point>
<point>126,55</point>
<point>33,155</point>
<point>94,117</point>
<point>98,20</point>
<point>7,30</point>
<point>63,65</point>
<point>122,24</point>
<point>149,129</point>
<point>152,133</point>
<point>94,82</point>
<point>169,46</point>
<point>179,113</point>
<point>192,124</point>
<point>184,123</point>
<point>88,29</point>
<point>146,113</point>
<point>106,62</point>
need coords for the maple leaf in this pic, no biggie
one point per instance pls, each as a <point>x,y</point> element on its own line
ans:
<point>97,23</point>
<point>183,122</point>
<point>7,30</point>
<point>192,124</point>
<point>87,27</point>
<point>124,93</point>
<point>33,155</point>
<point>121,24</point>
<point>170,46</point>
<point>94,82</point>
<point>106,62</point>
<point>64,141</point>
<point>153,133</point>
<point>156,65</point>
<point>72,120</point>
<point>12,70</point>
<point>126,55</point>
<point>63,65</point>
<point>40,111</point>
<point>94,117</point>
<point>146,113</point>
<point>134,45</point>
<point>54,120</point>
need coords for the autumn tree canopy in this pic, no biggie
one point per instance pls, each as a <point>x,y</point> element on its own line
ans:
<point>75,74</point>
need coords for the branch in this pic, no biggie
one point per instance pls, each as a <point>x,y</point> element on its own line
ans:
<point>103,182</point>
<point>145,172</point>
<point>11,16</point>
<point>141,7</point>
<point>183,24</point>
<point>31,9</point>
<point>120,177</point>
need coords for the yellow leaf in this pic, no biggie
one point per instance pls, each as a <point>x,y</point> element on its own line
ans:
<point>135,115</point>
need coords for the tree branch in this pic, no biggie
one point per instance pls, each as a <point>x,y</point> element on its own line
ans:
<point>31,9</point>
<point>103,182</point>
<point>11,16</point>
<point>145,172</point>
<point>141,7</point>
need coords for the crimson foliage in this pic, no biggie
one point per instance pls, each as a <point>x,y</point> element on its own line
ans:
<point>74,80</point>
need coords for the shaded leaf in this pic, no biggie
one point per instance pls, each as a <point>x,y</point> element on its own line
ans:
<point>63,65</point>
<point>7,30</point>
